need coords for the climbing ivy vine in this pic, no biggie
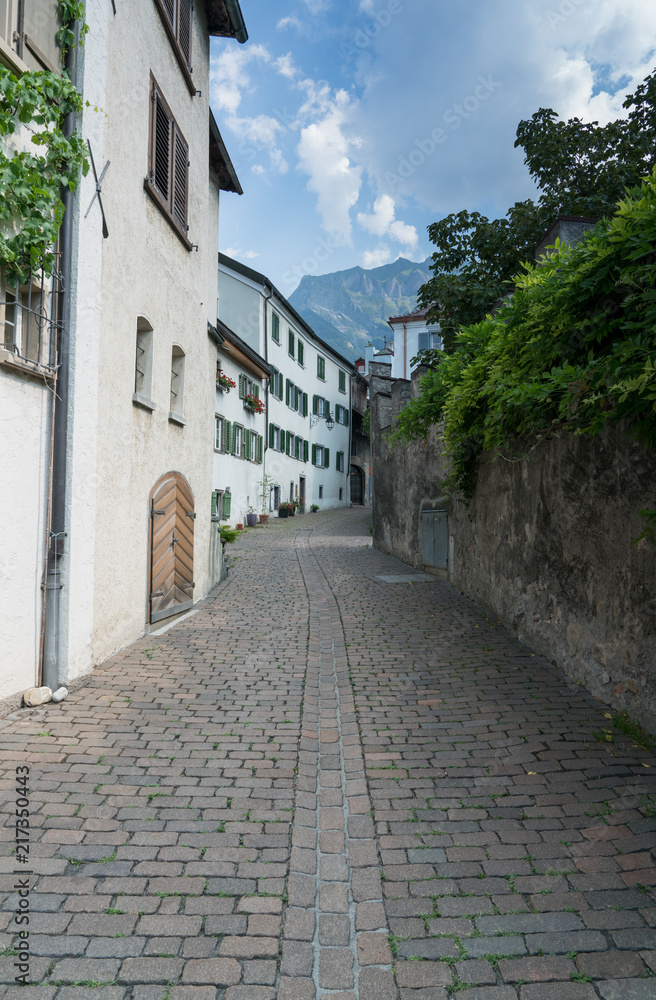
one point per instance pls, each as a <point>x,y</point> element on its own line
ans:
<point>31,180</point>
<point>573,349</point>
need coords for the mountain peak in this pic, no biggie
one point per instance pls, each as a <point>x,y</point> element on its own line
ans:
<point>348,308</point>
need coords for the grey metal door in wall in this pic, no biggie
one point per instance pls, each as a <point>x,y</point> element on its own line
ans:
<point>435,538</point>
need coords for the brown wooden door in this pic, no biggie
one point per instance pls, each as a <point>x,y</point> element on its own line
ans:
<point>171,547</point>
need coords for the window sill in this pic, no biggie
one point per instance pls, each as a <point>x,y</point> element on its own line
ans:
<point>152,193</point>
<point>175,418</point>
<point>22,366</point>
<point>11,61</point>
<point>143,402</point>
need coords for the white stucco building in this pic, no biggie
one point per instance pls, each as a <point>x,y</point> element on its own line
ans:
<point>411,334</point>
<point>131,472</point>
<point>308,434</point>
<point>239,429</point>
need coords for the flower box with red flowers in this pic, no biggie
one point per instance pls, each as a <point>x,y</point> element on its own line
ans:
<point>223,382</point>
<point>254,403</point>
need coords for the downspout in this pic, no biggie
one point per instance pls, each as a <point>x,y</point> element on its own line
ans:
<point>405,352</point>
<point>266,419</point>
<point>56,549</point>
<point>348,474</point>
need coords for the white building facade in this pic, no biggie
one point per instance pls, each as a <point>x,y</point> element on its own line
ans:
<point>411,334</point>
<point>140,366</point>
<point>308,433</point>
<point>239,430</point>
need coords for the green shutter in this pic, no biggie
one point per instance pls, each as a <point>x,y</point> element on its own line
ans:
<point>298,398</point>
<point>315,404</point>
<point>227,500</point>
<point>275,327</point>
<point>300,352</point>
<point>214,503</point>
<point>326,458</point>
<point>256,391</point>
<point>247,444</point>
<point>242,386</point>
<point>288,441</point>
<point>326,408</point>
<point>291,342</point>
<point>287,384</point>
<point>233,450</point>
<point>346,416</point>
<point>260,448</point>
<point>306,449</point>
<point>272,435</point>
<point>227,439</point>
<point>314,454</point>
<point>305,404</point>
<point>342,381</point>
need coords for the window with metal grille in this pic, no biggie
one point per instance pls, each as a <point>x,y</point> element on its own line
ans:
<point>177,381</point>
<point>27,319</point>
<point>177,16</point>
<point>168,164</point>
<point>143,362</point>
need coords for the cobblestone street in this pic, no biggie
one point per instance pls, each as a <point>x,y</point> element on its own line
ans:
<point>326,784</point>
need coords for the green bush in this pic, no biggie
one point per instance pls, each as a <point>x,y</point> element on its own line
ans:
<point>574,348</point>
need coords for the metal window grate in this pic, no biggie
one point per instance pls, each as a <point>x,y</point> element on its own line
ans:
<point>28,318</point>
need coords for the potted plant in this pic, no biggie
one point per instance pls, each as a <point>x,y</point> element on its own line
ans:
<point>283,510</point>
<point>254,403</point>
<point>291,506</point>
<point>223,382</point>
<point>299,505</point>
<point>251,517</point>
<point>314,508</point>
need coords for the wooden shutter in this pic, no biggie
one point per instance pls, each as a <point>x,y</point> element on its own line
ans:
<point>242,386</point>
<point>180,172</point>
<point>161,146</point>
<point>184,33</point>
<point>233,450</point>
<point>227,502</point>
<point>260,448</point>
<point>326,408</point>
<point>305,451</point>
<point>272,435</point>
<point>275,327</point>
<point>287,391</point>
<point>315,404</point>
<point>300,352</point>
<point>288,441</point>
<point>256,390</point>
<point>227,429</point>
<point>169,10</point>
<point>321,367</point>
<point>326,458</point>
<point>342,381</point>
<point>298,397</point>
<point>291,342</point>
<point>314,454</point>
<point>305,404</point>
<point>346,416</point>
<point>247,443</point>
<point>214,504</point>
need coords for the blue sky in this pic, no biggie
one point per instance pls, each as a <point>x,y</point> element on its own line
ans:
<point>354,124</point>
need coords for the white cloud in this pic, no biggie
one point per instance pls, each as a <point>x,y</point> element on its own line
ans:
<point>317,6</point>
<point>289,22</point>
<point>383,223</point>
<point>285,66</point>
<point>237,253</point>
<point>324,154</point>
<point>228,75</point>
<point>376,258</point>
<point>257,169</point>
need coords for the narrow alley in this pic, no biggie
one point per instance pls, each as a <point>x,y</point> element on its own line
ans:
<point>330,782</point>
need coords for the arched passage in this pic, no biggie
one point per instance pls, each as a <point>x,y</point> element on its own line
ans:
<point>357,484</point>
<point>171,575</point>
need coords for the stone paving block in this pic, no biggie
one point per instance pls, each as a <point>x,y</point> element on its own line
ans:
<point>538,969</point>
<point>334,929</point>
<point>250,993</point>
<point>564,943</point>
<point>611,965</point>
<point>216,971</point>
<point>627,989</point>
<point>509,944</point>
<point>476,971</point>
<point>297,959</point>
<point>419,975</point>
<point>376,984</point>
<point>296,989</point>
<point>639,939</point>
<point>566,991</point>
<point>490,993</point>
<point>73,970</point>
<point>373,949</point>
<point>335,968</point>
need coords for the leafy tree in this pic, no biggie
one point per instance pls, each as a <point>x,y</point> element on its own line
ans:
<point>580,169</point>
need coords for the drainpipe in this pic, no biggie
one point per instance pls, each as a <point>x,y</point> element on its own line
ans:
<point>56,548</point>
<point>405,352</point>
<point>266,391</point>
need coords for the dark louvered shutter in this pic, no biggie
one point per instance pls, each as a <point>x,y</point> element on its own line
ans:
<point>260,448</point>
<point>305,404</point>
<point>227,501</point>
<point>315,404</point>
<point>326,458</point>
<point>272,435</point>
<point>314,454</point>
<point>214,506</point>
<point>346,416</point>
<point>161,164</point>
<point>227,439</point>
<point>169,10</point>
<point>306,449</point>
<point>180,168</point>
<point>287,385</point>
<point>184,29</point>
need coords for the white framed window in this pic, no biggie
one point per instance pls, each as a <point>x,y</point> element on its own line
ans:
<point>274,437</point>
<point>341,415</point>
<point>238,441</point>
<point>219,433</point>
<point>275,384</point>
<point>339,461</point>
<point>320,456</point>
